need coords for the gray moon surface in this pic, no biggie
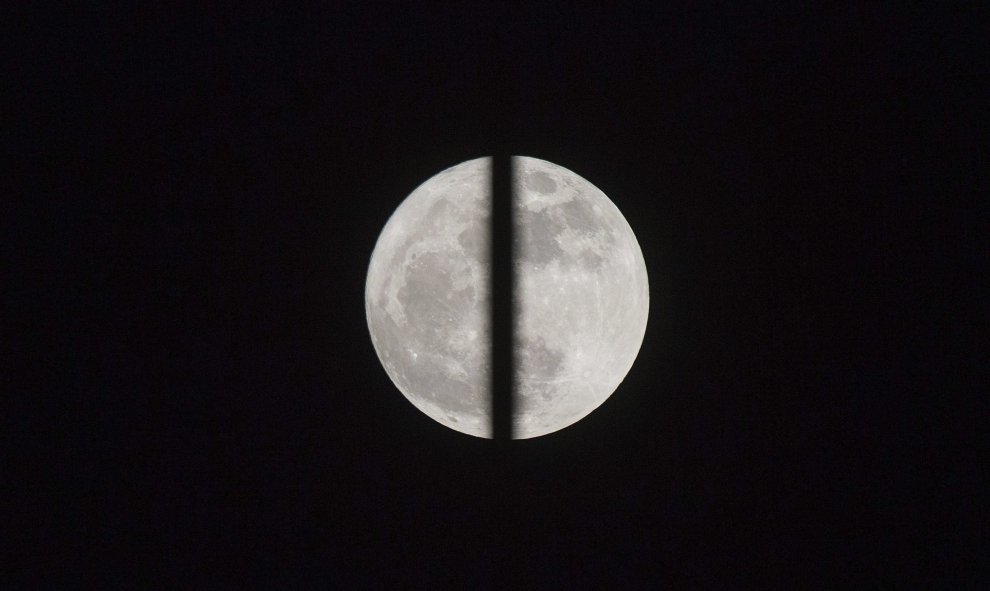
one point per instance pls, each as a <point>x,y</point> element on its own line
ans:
<point>582,297</point>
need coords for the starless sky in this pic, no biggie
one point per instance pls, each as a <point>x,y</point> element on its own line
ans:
<point>197,397</point>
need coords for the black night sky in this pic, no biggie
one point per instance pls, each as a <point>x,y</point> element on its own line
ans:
<point>195,400</point>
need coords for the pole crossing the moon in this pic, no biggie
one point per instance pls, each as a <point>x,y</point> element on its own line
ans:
<point>502,306</point>
<point>517,340</point>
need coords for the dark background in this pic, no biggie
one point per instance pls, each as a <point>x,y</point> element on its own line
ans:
<point>194,395</point>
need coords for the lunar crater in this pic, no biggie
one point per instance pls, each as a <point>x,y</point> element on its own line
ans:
<point>540,182</point>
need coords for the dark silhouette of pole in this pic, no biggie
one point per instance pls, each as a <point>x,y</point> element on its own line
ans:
<point>502,305</point>
<point>498,124</point>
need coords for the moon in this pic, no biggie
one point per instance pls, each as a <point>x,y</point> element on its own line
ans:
<point>582,297</point>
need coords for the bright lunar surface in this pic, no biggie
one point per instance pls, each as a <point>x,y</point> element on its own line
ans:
<point>582,297</point>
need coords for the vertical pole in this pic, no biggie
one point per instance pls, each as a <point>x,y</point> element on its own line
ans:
<point>502,305</point>
<point>498,123</point>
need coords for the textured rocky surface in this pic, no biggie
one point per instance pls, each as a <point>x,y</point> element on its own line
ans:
<point>582,299</point>
<point>427,297</point>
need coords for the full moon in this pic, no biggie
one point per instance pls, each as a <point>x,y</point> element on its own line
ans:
<point>582,297</point>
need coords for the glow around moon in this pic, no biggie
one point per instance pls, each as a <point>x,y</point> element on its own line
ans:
<point>582,297</point>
